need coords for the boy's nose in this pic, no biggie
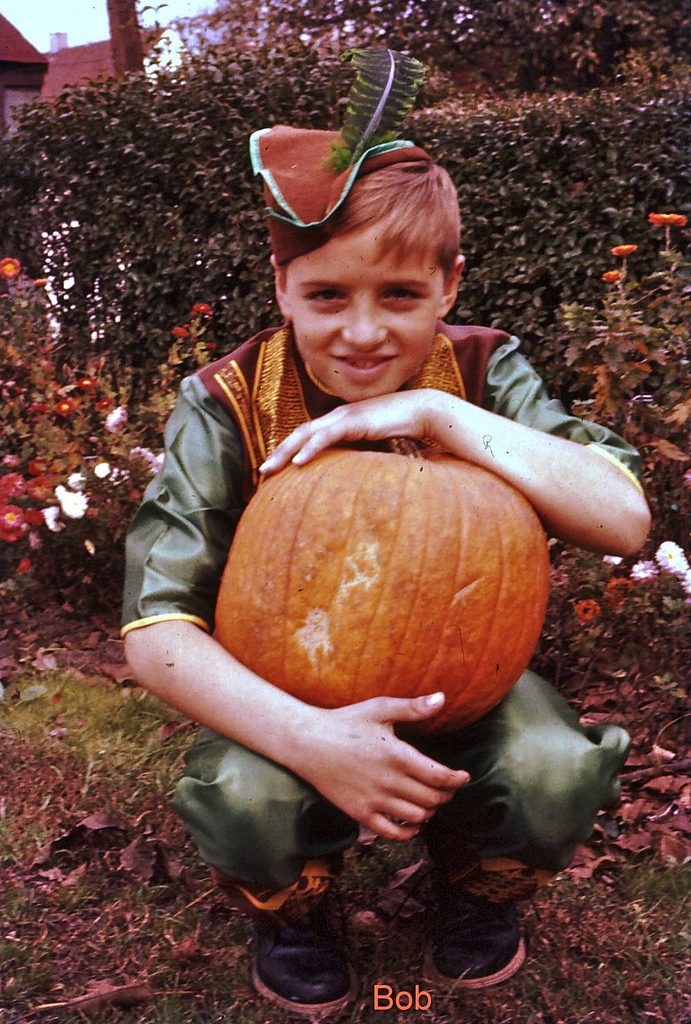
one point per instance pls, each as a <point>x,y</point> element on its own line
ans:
<point>364,330</point>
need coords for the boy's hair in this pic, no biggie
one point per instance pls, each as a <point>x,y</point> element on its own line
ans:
<point>416,205</point>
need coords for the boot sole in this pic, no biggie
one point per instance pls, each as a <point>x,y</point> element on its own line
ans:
<point>314,1011</point>
<point>497,978</point>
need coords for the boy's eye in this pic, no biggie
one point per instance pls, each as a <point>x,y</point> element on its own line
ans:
<point>324,295</point>
<point>402,293</point>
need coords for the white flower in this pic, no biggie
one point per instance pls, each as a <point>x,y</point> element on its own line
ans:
<point>671,558</point>
<point>77,481</point>
<point>686,582</point>
<point>90,547</point>
<point>73,503</point>
<point>116,420</point>
<point>643,571</point>
<point>612,559</point>
<point>51,517</point>
<point>155,461</point>
<point>102,470</point>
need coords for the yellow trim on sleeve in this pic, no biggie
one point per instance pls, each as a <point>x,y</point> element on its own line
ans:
<point>615,462</point>
<point>165,617</point>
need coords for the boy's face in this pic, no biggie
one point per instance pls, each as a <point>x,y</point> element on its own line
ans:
<point>364,320</point>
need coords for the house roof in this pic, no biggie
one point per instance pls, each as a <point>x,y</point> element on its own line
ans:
<point>72,64</point>
<point>15,49</point>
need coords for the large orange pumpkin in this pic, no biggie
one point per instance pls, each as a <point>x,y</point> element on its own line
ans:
<point>365,574</point>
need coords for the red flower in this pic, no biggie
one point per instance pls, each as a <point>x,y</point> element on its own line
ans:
<point>38,407</point>
<point>104,403</point>
<point>661,220</point>
<point>612,276</point>
<point>623,250</point>
<point>65,406</point>
<point>37,466</point>
<point>41,282</point>
<point>86,383</point>
<point>586,611</point>
<point>34,517</point>
<point>201,309</point>
<point>11,523</point>
<point>41,487</point>
<point>181,332</point>
<point>12,485</point>
<point>24,565</point>
<point>10,268</point>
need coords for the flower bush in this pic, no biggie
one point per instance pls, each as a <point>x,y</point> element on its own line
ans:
<point>76,451</point>
<point>626,363</point>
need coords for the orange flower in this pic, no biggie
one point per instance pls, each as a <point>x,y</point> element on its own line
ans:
<point>617,589</point>
<point>37,466</point>
<point>587,611</point>
<point>10,268</point>
<point>201,309</point>
<point>181,332</point>
<point>86,383</point>
<point>65,406</point>
<point>612,276</point>
<point>623,250</point>
<point>104,403</point>
<point>661,220</point>
<point>41,282</point>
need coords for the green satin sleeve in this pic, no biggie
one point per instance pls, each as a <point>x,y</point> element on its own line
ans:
<point>178,542</point>
<point>513,389</point>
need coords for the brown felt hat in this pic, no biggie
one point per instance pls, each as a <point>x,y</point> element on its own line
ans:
<point>303,190</point>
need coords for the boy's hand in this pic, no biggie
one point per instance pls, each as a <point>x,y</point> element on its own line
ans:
<point>403,414</point>
<point>353,757</point>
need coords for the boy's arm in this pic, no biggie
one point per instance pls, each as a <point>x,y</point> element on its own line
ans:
<point>351,755</point>
<point>581,497</point>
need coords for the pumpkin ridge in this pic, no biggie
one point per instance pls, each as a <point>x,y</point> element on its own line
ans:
<point>451,499</point>
<point>400,505</point>
<point>294,487</point>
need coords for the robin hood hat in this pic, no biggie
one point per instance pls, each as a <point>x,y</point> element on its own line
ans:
<point>308,174</point>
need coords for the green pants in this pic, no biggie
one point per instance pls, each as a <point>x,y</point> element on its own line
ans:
<point>538,779</point>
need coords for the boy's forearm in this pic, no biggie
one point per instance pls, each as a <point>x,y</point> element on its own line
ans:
<point>190,671</point>
<point>581,497</point>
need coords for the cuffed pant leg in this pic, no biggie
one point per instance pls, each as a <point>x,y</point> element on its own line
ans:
<point>252,819</point>
<point>538,779</point>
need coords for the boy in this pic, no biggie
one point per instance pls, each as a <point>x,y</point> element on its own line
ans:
<point>367,265</point>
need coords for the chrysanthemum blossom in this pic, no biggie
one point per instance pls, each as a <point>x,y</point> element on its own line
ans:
<point>10,268</point>
<point>77,481</point>
<point>12,524</point>
<point>612,559</point>
<point>623,250</point>
<point>673,220</point>
<point>612,276</point>
<point>102,470</point>
<point>73,503</point>
<point>154,461</point>
<point>12,485</point>
<point>51,516</point>
<point>670,557</point>
<point>116,420</point>
<point>643,571</point>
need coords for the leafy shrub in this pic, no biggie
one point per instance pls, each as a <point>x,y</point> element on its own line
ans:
<point>73,460</point>
<point>137,198</point>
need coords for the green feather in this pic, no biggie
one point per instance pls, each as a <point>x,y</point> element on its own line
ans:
<point>383,92</point>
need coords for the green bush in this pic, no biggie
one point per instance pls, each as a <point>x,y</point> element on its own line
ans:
<point>137,198</point>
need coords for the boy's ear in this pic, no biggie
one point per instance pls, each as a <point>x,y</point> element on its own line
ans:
<point>451,286</point>
<point>280,287</point>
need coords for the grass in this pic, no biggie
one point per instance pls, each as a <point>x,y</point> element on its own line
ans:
<point>72,914</point>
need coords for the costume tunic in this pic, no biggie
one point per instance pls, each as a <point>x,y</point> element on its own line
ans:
<point>537,778</point>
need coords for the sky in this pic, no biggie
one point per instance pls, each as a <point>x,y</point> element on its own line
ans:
<point>84,21</point>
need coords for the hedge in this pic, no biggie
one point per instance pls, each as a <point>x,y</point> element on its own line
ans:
<point>137,198</point>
